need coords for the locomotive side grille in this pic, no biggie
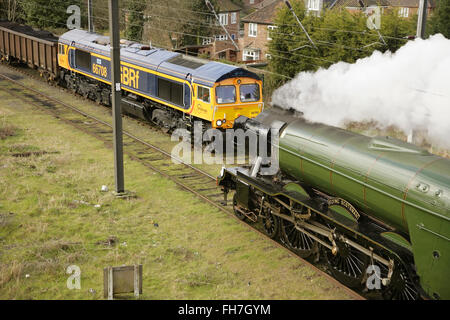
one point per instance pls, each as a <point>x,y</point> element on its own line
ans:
<point>184,62</point>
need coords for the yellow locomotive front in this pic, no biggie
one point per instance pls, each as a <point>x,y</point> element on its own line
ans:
<point>234,98</point>
<point>227,100</point>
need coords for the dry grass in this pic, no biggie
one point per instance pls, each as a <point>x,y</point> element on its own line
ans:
<point>7,130</point>
<point>10,273</point>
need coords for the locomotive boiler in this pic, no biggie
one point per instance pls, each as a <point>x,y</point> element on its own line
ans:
<point>376,208</point>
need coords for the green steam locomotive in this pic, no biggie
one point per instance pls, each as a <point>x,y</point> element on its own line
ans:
<point>377,209</point>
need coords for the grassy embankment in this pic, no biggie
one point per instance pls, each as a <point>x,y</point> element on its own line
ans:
<point>189,250</point>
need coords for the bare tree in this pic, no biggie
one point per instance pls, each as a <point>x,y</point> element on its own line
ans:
<point>166,23</point>
<point>11,10</point>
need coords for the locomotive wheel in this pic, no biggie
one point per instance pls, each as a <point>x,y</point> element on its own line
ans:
<point>401,286</point>
<point>297,241</point>
<point>271,224</point>
<point>237,212</point>
<point>349,265</point>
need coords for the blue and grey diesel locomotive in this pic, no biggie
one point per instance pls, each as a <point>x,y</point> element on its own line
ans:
<point>168,88</point>
<point>173,89</point>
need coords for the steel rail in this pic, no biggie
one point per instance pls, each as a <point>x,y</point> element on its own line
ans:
<point>109,125</point>
<point>188,188</point>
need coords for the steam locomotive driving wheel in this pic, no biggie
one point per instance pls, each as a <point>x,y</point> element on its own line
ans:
<point>401,286</point>
<point>347,264</point>
<point>297,241</point>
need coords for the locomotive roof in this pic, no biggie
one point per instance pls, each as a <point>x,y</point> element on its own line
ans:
<point>202,71</point>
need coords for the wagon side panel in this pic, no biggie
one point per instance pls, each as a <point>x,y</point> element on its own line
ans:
<point>2,42</point>
<point>35,53</point>
<point>29,51</point>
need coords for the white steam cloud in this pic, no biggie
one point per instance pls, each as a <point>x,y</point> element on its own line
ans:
<point>409,89</point>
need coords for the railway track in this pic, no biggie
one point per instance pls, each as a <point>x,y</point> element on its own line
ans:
<point>186,176</point>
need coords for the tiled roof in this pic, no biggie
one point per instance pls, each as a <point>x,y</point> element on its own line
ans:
<point>410,3</point>
<point>265,15</point>
<point>383,3</point>
<point>227,6</point>
<point>356,3</point>
<point>264,3</point>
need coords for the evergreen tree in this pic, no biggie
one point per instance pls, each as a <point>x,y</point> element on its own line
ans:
<point>396,28</point>
<point>342,36</point>
<point>440,20</point>
<point>48,13</point>
<point>135,19</point>
<point>197,27</point>
<point>286,38</point>
<point>338,35</point>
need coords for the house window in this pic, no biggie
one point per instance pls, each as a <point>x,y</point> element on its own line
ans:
<point>269,30</point>
<point>223,19</point>
<point>252,29</point>
<point>252,1</point>
<point>207,41</point>
<point>233,17</point>
<point>221,37</point>
<point>313,5</point>
<point>404,12</point>
<point>251,55</point>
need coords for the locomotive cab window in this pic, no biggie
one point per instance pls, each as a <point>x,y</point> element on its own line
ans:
<point>83,60</point>
<point>203,94</point>
<point>226,94</point>
<point>249,92</point>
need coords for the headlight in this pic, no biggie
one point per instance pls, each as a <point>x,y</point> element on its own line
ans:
<point>219,123</point>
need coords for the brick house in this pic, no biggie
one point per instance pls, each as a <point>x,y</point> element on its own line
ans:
<point>220,46</point>
<point>408,8</point>
<point>355,5</point>
<point>316,7</point>
<point>257,27</point>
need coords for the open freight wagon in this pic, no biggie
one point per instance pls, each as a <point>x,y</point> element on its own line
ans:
<point>38,49</point>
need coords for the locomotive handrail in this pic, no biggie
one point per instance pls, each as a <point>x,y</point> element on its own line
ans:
<point>421,226</point>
